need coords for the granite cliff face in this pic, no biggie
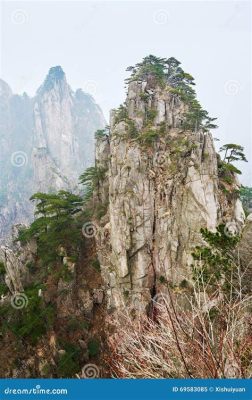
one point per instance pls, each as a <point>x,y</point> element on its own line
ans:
<point>155,183</point>
<point>163,186</point>
<point>46,142</point>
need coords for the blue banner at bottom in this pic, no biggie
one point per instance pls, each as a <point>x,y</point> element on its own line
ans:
<point>117,389</point>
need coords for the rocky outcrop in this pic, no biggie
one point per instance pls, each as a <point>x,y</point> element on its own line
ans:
<point>245,256</point>
<point>163,187</point>
<point>69,301</point>
<point>17,260</point>
<point>46,142</point>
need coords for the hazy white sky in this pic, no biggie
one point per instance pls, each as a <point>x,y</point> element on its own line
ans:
<point>95,41</point>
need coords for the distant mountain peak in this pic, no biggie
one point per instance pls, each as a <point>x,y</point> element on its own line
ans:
<point>49,137</point>
<point>55,76</point>
<point>56,73</point>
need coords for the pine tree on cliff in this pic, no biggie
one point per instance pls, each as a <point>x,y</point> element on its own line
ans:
<point>55,225</point>
<point>168,72</point>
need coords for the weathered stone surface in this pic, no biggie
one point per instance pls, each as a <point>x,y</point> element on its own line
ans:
<point>16,260</point>
<point>85,302</point>
<point>160,196</point>
<point>245,255</point>
<point>65,305</point>
<point>98,296</point>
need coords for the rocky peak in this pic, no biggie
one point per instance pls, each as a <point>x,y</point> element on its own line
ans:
<point>163,185</point>
<point>55,78</point>
<point>46,143</point>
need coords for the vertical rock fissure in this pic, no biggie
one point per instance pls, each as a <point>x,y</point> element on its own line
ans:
<point>153,289</point>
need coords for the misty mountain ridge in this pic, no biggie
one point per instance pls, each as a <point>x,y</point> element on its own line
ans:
<point>46,141</point>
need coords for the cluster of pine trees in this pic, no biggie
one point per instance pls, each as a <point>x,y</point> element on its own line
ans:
<point>169,72</point>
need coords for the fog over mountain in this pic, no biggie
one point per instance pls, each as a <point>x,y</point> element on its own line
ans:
<point>94,44</point>
<point>45,143</point>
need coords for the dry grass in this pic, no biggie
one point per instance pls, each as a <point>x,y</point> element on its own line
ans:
<point>190,335</point>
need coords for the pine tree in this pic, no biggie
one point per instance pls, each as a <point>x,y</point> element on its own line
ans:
<point>55,224</point>
<point>233,152</point>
